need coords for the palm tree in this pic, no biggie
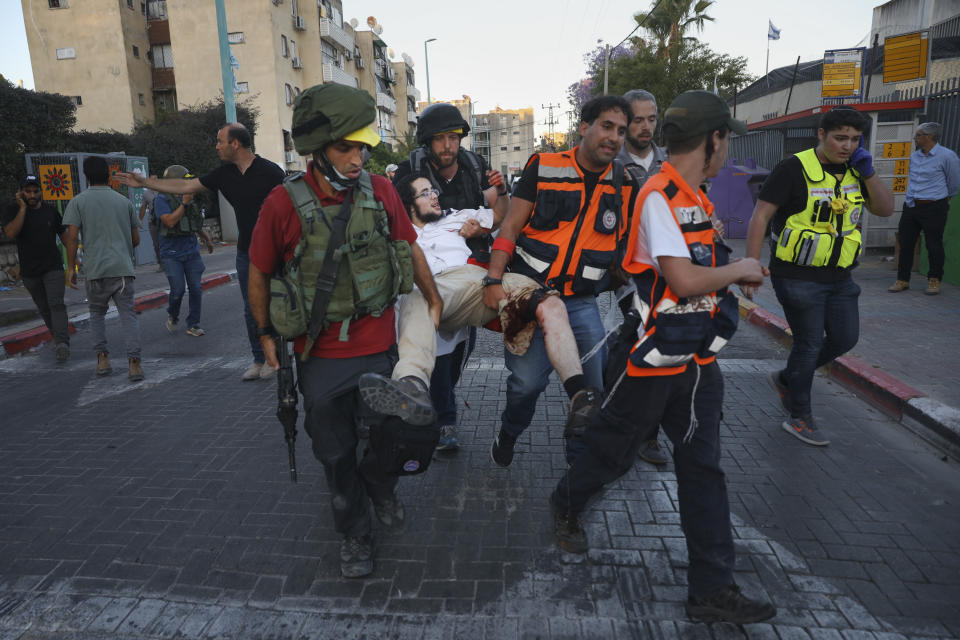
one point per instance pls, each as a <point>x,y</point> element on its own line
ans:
<point>669,22</point>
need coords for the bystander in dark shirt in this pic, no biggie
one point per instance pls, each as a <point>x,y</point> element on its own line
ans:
<point>37,243</point>
<point>244,191</point>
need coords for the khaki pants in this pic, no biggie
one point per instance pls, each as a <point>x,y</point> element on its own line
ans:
<point>462,294</point>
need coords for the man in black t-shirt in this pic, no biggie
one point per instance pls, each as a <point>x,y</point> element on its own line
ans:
<point>813,203</point>
<point>245,179</point>
<point>35,226</point>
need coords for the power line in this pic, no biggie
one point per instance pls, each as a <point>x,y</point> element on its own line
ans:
<point>640,24</point>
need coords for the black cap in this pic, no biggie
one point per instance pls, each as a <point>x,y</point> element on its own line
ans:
<point>30,179</point>
<point>693,113</point>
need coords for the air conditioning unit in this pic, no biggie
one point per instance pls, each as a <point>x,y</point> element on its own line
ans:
<point>348,54</point>
<point>297,63</point>
<point>360,63</point>
<point>290,156</point>
<point>299,24</point>
<point>391,74</point>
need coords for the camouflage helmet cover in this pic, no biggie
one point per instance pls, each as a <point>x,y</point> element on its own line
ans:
<point>325,113</point>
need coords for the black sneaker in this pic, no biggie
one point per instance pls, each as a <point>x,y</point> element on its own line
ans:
<point>652,453</point>
<point>729,605</point>
<point>390,513</point>
<point>408,398</point>
<point>502,448</point>
<point>775,380</point>
<point>356,556</point>
<point>570,534</point>
<point>62,352</point>
<point>582,404</point>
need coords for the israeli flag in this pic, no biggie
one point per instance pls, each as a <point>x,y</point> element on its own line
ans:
<point>772,32</point>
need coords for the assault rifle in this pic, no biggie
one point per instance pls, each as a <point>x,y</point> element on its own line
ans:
<point>287,404</point>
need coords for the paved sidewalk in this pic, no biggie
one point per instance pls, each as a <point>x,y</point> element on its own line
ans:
<point>906,359</point>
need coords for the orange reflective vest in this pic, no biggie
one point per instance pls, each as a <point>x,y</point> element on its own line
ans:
<point>569,242</point>
<point>673,331</point>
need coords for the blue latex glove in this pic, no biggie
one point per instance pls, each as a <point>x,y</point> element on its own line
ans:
<point>862,161</point>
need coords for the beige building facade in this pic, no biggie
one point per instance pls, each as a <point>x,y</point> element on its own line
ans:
<point>125,61</point>
<point>505,138</point>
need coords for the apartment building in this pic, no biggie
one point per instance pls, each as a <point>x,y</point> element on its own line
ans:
<point>505,138</point>
<point>134,59</point>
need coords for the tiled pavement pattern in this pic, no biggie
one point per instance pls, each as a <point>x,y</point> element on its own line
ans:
<point>165,511</point>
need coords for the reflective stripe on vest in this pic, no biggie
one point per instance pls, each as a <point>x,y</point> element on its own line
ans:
<point>674,331</point>
<point>370,276</point>
<point>567,243</point>
<point>819,236</point>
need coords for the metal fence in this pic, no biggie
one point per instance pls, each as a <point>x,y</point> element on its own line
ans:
<point>765,147</point>
<point>944,107</point>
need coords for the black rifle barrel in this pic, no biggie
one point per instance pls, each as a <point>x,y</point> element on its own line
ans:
<point>287,404</point>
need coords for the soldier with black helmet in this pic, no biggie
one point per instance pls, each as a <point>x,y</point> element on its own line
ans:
<point>337,203</point>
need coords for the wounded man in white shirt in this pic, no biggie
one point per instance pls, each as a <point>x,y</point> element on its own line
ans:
<point>529,304</point>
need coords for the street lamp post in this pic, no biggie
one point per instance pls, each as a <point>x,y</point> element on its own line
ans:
<point>426,64</point>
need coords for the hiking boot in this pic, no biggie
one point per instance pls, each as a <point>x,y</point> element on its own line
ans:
<point>196,332</point>
<point>652,453</point>
<point>448,439</point>
<point>407,398</point>
<point>775,379</point>
<point>252,372</point>
<point>390,513</point>
<point>171,324</point>
<point>502,448</point>
<point>62,353</point>
<point>805,429</point>
<point>570,534</point>
<point>933,287</point>
<point>729,605</point>
<point>136,371</point>
<point>356,556</point>
<point>582,405</point>
<point>103,364</point>
<point>898,286</point>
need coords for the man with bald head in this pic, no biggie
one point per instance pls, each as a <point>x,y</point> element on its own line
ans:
<point>245,179</point>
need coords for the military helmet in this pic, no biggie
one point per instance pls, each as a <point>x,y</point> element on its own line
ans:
<point>176,171</point>
<point>325,113</point>
<point>440,118</point>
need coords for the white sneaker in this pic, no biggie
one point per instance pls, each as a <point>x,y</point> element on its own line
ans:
<point>266,371</point>
<point>253,372</point>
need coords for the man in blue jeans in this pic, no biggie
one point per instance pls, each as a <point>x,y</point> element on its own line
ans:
<point>245,179</point>
<point>180,224</point>
<point>813,202</point>
<point>565,226</point>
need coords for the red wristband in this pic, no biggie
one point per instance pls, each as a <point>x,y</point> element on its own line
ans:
<point>502,244</point>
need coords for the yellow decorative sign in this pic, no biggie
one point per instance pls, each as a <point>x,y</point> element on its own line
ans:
<point>905,57</point>
<point>896,150</point>
<point>56,181</point>
<point>842,73</point>
<point>900,185</point>
<point>901,167</point>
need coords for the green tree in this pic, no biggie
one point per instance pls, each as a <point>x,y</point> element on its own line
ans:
<point>669,22</point>
<point>380,157</point>
<point>409,142</point>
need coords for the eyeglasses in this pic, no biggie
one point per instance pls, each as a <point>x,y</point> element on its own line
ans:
<point>426,193</point>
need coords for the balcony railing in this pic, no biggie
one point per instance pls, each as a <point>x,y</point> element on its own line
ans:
<point>413,91</point>
<point>333,73</point>
<point>386,102</point>
<point>335,34</point>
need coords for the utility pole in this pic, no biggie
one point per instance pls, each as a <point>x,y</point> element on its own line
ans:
<point>550,124</point>
<point>229,100</point>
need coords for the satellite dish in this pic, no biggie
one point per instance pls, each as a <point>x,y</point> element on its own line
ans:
<point>371,22</point>
<point>354,22</point>
<point>390,53</point>
<point>377,29</point>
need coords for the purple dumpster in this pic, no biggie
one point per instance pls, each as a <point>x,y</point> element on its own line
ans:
<point>734,193</point>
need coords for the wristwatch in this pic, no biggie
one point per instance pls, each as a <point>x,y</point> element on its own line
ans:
<point>487,281</point>
<point>259,332</point>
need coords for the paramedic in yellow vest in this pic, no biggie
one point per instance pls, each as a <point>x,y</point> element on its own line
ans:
<point>662,368</point>
<point>564,228</point>
<point>813,203</point>
<point>334,124</point>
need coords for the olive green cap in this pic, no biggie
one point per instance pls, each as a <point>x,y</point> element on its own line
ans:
<point>693,113</point>
<point>325,113</point>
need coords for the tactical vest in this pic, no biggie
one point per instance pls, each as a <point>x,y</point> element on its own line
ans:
<point>673,331</point>
<point>569,243</point>
<point>472,195</point>
<point>373,271</point>
<point>191,222</point>
<point>825,233</point>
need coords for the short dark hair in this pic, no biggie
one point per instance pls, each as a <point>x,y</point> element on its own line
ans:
<point>405,188</point>
<point>676,144</point>
<point>238,132</point>
<point>593,108</point>
<point>843,116</point>
<point>97,170</point>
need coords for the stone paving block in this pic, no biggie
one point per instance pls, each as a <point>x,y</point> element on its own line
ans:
<point>142,616</point>
<point>112,615</point>
<point>823,634</point>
